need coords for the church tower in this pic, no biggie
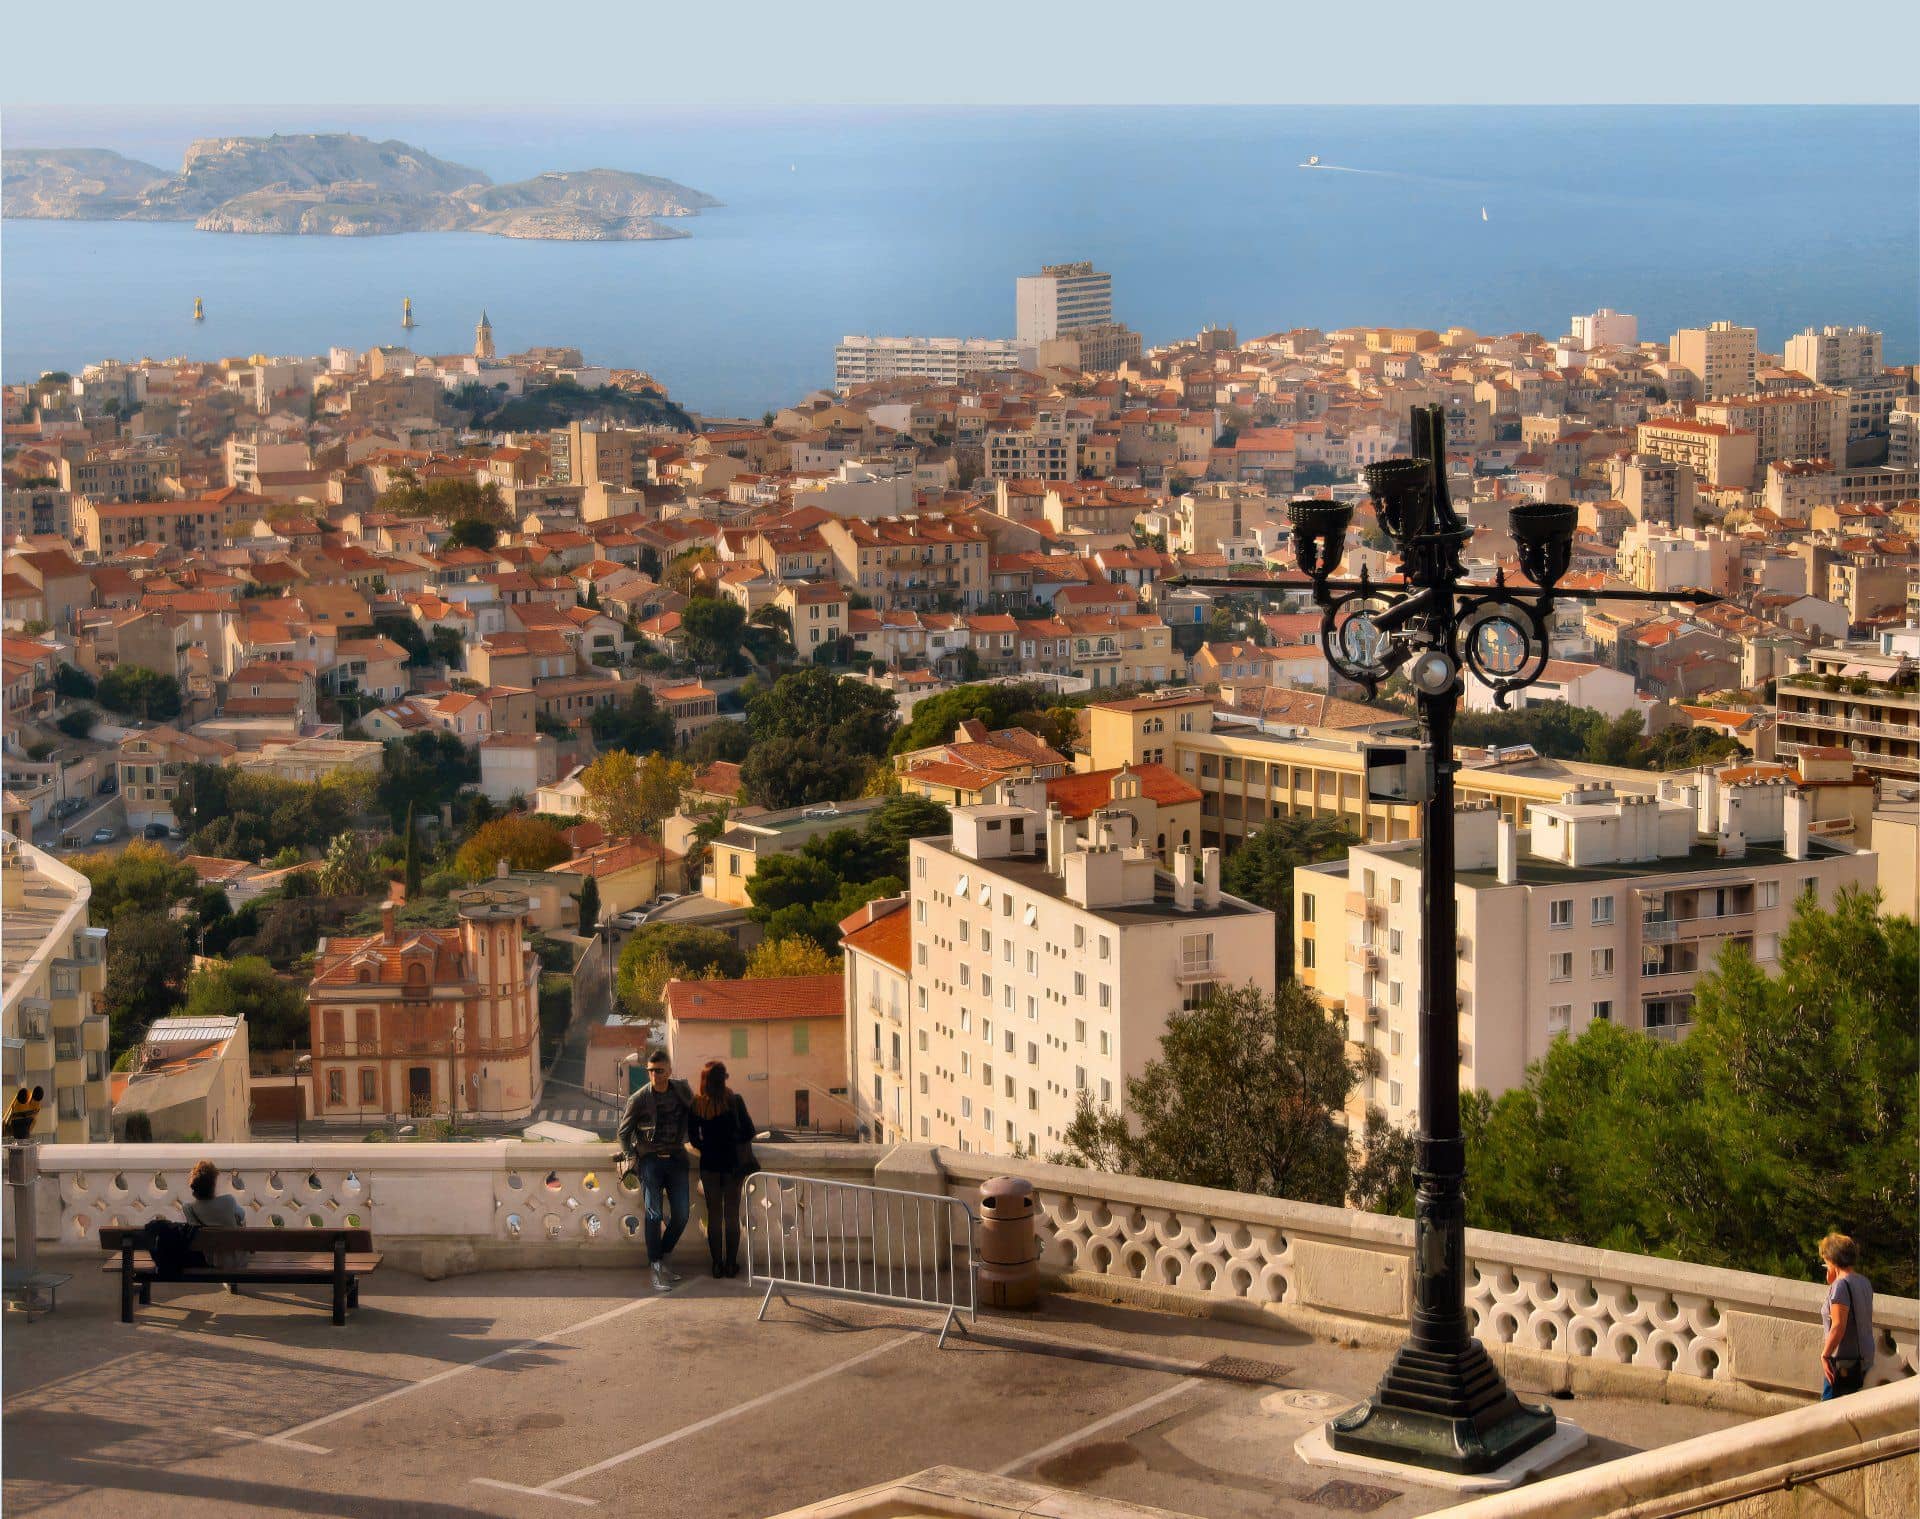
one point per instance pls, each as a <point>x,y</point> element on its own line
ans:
<point>483,338</point>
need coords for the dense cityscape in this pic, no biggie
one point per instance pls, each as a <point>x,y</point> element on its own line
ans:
<point>407,746</point>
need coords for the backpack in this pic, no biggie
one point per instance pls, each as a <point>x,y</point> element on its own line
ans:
<point>170,1243</point>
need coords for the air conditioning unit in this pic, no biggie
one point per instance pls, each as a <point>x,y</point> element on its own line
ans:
<point>1376,1016</point>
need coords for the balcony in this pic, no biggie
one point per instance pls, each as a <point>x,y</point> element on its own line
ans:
<point>1363,955</point>
<point>1360,905</point>
<point>1192,968</point>
<point>507,1320</point>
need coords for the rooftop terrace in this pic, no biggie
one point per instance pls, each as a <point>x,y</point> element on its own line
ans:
<point>1190,1338</point>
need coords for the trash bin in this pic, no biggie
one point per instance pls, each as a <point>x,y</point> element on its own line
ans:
<point>1009,1243</point>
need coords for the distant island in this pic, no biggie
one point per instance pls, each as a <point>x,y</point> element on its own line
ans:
<point>337,184</point>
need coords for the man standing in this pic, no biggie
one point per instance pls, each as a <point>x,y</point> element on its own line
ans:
<point>653,1131</point>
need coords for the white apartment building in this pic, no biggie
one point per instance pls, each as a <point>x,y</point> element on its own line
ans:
<point>55,965</point>
<point>860,360</point>
<point>1612,911</point>
<point>1047,955</point>
<point>1605,328</point>
<point>1835,355</point>
<point>1723,358</point>
<point>1061,299</point>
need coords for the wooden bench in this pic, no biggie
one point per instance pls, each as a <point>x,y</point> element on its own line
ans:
<point>326,1257</point>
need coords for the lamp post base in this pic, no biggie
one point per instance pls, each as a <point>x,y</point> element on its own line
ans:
<point>1448,1411</point>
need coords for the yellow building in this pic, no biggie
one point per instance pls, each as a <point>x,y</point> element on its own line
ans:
<point>55,965</point>
<point>737,853</point>
<point>1248,773</point>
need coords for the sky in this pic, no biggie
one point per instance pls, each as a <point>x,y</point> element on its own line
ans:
<point>887,52</point>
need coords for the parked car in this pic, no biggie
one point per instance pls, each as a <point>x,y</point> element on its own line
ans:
<point>630,920</point>
<point>155,831</point>
<point>110,785</point>
<point>662,900</point>
<point>105,835</point>
<point>70,806</point>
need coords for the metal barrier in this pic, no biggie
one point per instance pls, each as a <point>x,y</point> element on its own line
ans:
<point>873,1243</point>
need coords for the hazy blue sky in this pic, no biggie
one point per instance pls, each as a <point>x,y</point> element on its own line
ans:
<point>986,51</point>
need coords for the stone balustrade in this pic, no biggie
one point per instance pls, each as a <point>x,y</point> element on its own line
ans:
<point>1589,1319</point>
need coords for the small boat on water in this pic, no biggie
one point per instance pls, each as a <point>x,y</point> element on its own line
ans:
<point>406,311</point>
<point>199,311</point>
<point>1483,213</point>
<point>1313,162</point>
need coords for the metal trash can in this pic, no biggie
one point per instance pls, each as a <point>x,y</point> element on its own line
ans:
<point>1009,1243</point>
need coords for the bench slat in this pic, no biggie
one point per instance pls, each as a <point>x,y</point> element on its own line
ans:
<point>229,1241</point>
<point>356,1265</point>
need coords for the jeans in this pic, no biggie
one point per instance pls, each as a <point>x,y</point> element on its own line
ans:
<point>1848,1377</point>
<point>722,1192</point>
<point>663,1183</point>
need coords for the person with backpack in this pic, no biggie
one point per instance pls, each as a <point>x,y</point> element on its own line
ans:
<point>723,1134</point>
<point>653,1131</point>
<point>1846,1353</point>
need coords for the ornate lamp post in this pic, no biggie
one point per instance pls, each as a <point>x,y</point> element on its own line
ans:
<point>1441,1403</point>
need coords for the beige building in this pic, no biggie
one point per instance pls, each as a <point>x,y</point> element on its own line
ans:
<point>1722,358</point>
<point>876,945</point>
<point>737,853</point>
<point>1611,913</point>
<point>1792,424</point>
<point>783,1040</point>
<point>190,1079</point>
<point>1875,710</point>
<point>818,612</point>
<point>314,759</point>
<point>151,762</point>
<point>55,965</point>
<point>1835,355</point>
<point>1720,457</point>
<point>1048,954</point>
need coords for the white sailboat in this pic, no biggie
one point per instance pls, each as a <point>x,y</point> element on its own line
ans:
<point>1483,213</point>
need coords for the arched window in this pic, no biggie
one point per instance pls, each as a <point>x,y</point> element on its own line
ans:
<point>416,974</point>
<point>366,974</point>
<point>1186,836</point>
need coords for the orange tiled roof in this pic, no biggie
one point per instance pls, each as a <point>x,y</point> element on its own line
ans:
<point>772,999</point>
<point>888,938</point>
<point>1081,795</point>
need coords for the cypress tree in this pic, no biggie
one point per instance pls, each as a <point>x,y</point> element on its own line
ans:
<point>413,858</point>
<point>589,907</point>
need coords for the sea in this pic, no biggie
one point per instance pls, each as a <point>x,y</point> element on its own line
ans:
<point>916,222</point>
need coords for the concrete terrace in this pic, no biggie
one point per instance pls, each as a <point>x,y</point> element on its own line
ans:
<point>540,1392</point>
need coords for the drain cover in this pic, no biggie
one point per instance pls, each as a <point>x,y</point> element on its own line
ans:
<point>1233,1368</point>
<point>1352,1497</point>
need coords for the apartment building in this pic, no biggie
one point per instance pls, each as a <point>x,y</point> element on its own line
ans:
<point>1046,448</point>
<point>1854,696</point>
<point>34,510</point>
<point>1790,424</point>
<point>859,360</point>
<point>429,1021</point>
<point>1722,358</point>
<point>876,946</point>
<point>1652,489</point>
<point>1835,355</point>
<point>55,964</point>
<point>1795,487</point>
<point>1719,457</point>
<point>783,1039</point>
<point>910,562</point>
<point>1611,912</point>
<point>1060,300</point>
<point>110,477</point>
<point>1605,328</point>
<point>582,454</point>
<point>151,763</point>
<point>1048,954</point>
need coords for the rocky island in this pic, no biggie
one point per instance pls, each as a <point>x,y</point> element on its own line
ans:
<point>341,185</point>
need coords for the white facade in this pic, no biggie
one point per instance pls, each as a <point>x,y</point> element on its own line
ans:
<point>1048,954</point>
<point>1061,299</point>
<point>1608,692</point>
<point>859,360</point>
<point>1835,355</point>
<point>1606,328</point>
<point>1611,912</point>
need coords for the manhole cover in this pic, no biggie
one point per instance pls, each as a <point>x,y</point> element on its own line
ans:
<point>1352,1497</point>
<point>1233,1368</point>
<point>1306,1400</point>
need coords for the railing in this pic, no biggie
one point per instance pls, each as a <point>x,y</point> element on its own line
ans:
<point>847,1239</point>
<point>1843,724</point>
<point>446,1208</point>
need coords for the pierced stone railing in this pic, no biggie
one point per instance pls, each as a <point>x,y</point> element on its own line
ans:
<point>1596,1319</point>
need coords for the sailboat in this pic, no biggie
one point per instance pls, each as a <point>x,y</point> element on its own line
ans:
<point>406,311</point>
<point>1313,161</point>
<point>1483,213</point>
<point>199,312</point>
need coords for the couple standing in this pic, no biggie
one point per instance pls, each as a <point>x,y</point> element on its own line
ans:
<point>661,1119</point>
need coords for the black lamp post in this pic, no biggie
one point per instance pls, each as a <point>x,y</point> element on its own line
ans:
<point>1441,1403</point>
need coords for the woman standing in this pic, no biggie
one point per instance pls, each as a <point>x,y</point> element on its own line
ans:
<point>1846,1350</point>
<point>723,1134</point>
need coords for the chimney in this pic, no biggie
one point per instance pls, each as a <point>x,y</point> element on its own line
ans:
<point>500,868</point>
<point>1210,877</point>
<point>388,912</point>
<point>1056,828</point>
<point>1799,823</point>
<point>1506,852</point>
<point>1183,878</point>
<point>1733,835</point>
<point>1709,816</point>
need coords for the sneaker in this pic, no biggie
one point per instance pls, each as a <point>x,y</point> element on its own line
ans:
<point>662,1278</point>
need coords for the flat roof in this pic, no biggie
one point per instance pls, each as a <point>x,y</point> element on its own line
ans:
<point>1030,873</point>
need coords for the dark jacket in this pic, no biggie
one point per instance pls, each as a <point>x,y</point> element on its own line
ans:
<point>656,1123</point>
<point>719,1139</point>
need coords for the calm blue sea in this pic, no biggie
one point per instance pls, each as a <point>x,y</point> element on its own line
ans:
<point>917,221</point>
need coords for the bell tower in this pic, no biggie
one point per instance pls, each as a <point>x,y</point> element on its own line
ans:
<point>483,338</point>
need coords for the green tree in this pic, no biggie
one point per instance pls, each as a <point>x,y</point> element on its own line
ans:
<point>629,797</point>
<point>275,1008</point>
<point>845,715</point>
<point>473,533</point>
<point>408,634</point>
<point>661,952</point>
<point>808,893</point>
<point>728,741</point>
<point>141,878</point>
<point>147,961</point>
<point>70,682</point>
<point>346,871</point>
<point>448,648</point>
<point>425,769</point>
<point>794,772</point>
<point>795,956</point>
<point>713,627</point>
<point>902,818</point>
<point>589,899</point>
<point>136,691</point>
<point>639,725</point>
<point>683,569</point>
<point>1010,706</point>
<point>1245,1095</point>
<point>1261,870</point>
<point>1787,1112</point>
<point>78,723</point>
<point>411,868</point>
